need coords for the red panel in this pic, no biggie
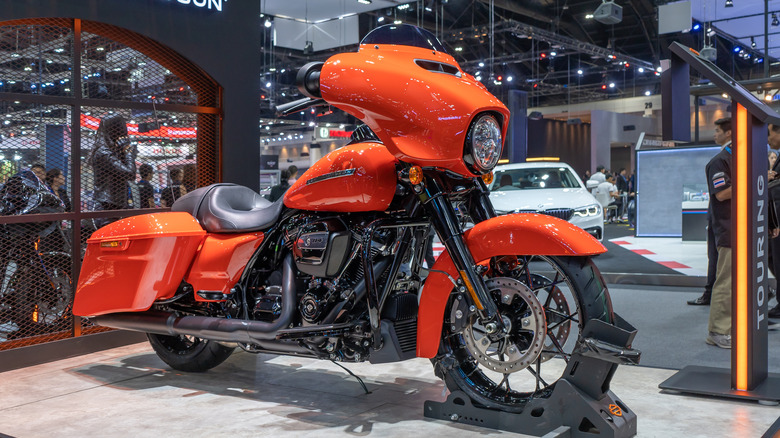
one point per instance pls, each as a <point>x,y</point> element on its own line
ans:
<point>221,261</point>
<point>515,234</point>
<point>421,116</point>
<point>674,265</point>
<point>642,251</point>
<point>354,178</point>
<point>147,262</point>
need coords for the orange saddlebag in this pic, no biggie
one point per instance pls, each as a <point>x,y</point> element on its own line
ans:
<point>132,262</point>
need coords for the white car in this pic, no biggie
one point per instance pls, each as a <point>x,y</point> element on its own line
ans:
<point>548,188</point>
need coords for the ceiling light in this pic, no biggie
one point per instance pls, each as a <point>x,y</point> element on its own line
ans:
<point>775,21</point>
<point>737,49</point>
<point>397,22</point>
<point>611,85</point>
<point>403,7</point>
<point>641,70</point>
<point>729,3</point>
<point>458,49</point>
<point>579,72</point>
<point>752,42</point>
<point>267,23</point>
<point>380,19</point>
<point>481,64</point>
<point>509,78</point>
<point>647,93</point>
<point>696,27</point>
<point>725,96</point>
<point>553,53</point>
<point>768,97</point>
<point>659,70</point>
<point>364,2</point>
<point>588,16</point>
<point>268,85</point>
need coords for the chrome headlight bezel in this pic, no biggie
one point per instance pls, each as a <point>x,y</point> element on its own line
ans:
<point>484,142</point>
<point>588,211</point>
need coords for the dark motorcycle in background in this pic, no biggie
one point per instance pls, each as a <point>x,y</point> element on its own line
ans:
<point>36,292</point>
<point>334,270</point>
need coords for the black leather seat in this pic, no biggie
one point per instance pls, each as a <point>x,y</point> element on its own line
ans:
<point>229,208</point>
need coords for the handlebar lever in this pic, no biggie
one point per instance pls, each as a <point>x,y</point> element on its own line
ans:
<point>298,105</point>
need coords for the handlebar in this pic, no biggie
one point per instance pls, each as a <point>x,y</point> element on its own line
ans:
<point>297,105</point>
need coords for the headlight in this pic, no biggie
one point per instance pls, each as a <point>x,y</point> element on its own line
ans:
<point>483,144</point>
<point>590,210</point>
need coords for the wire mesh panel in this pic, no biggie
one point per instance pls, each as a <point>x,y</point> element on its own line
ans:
<point>36,59</point>
<point>143,124</point>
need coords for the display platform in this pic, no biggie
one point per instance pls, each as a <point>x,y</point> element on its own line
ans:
<point>128,391</point>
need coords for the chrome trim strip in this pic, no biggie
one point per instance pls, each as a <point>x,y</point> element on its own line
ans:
<point>331,175</point>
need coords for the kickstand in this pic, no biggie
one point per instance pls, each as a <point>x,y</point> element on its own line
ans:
<point>353,375</point>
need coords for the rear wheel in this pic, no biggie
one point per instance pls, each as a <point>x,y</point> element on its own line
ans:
<point>545,303</point>
<point>188,353</point>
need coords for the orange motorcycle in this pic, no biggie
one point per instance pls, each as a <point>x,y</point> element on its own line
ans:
<point>334,270</point>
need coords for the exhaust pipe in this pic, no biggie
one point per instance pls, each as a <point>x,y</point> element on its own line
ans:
<point>206,327</point>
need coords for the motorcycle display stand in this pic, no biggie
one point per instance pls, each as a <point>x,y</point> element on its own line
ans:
<point>580,404</point>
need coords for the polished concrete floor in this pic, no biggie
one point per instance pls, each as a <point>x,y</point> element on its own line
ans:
<point>128,391</point>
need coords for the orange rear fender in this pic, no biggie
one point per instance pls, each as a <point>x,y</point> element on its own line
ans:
<point>515,234</point>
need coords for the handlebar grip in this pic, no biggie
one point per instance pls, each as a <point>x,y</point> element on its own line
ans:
<point>308,79</point>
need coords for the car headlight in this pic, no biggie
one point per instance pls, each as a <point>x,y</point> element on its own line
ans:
<point>483,144</point>
<point>590,210</point>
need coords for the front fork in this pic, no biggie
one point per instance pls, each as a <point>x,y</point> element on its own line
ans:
<point>445,222</point>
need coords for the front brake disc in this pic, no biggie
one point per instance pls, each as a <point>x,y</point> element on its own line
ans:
<point>526,325</point>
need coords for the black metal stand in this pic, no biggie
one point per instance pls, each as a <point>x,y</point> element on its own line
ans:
<point>717,382</point>
<point>580,404</point>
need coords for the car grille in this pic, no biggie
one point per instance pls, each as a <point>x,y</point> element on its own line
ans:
<point>560,213</point>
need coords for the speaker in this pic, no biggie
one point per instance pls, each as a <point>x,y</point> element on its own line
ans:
<point>608,13</point>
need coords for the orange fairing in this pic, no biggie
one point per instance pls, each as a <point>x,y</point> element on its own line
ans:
<point>421,114</point>
<point>516,234</point>
<point>355,178</point>
<point>221,261</point>
<point>133,262</point>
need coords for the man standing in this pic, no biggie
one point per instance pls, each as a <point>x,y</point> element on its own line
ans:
<point>719,182</point>
<point>175,190</point>
<point>145,186</point>
<point>774,195</point>
<point>722,138</point>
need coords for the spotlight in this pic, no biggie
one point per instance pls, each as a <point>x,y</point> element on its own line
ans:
<point>775,21</point>
<point>267,23</point>
<point>641,70</point>
<point>579,72</point>
<point>364,2</point>
<point>696,27</point>
<point>737,49</point>
<point>481,64</point>
<point>752,42</point>
<point>509,78</point>
<point>729,3</point>
<point>380,19</point>
<point>553,53</point>
<point>647,93</point>
<point>611,85</point>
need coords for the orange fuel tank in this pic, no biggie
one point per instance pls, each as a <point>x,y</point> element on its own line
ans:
<point>359,177</point>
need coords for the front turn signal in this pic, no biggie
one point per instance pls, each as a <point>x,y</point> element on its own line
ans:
<point>488,178</point>
<point>415,175</point>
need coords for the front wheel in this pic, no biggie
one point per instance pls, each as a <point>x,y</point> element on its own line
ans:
<point>544,303</point>
<point>188,353</point>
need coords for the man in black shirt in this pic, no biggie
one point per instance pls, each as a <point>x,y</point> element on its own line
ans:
<point>719,182</point>
<point>145,188</point>
<point>175,190</point>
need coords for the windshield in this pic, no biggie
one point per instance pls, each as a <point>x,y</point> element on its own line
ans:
<point>404,35</point>
<point>534,178</point>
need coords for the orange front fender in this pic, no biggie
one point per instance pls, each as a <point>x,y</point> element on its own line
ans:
<point>515,234</point>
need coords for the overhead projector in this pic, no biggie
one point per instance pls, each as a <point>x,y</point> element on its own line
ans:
<point>608,13</point>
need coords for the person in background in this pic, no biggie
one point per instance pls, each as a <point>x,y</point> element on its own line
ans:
<point>772,154</point>
<point>145,189</point>
<point>722,137</point>
<point>586,176</point>
<point>39,171</point>
<point>278,190</point>
<point>293,172</point>
<point>622,181</point>
<point>113,164</point>
<point>56,181</point>
<point>175,190</point>
<point>600,174</point>
<point>189,177</point>
<point>774,196</point>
